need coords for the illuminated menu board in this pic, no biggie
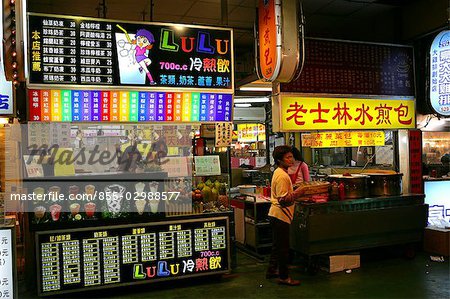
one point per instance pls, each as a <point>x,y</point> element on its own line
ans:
<point>128,106</point>
<point>93,258</point>
<point>83,51</point>
<point>340,67</point>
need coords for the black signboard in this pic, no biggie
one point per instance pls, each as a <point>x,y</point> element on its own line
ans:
<point>340,67</point>
<point>93,258</point>
<point>83,51</point>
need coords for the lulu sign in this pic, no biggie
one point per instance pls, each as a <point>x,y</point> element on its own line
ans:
<point>439,73</point>
<point>128,106</point>
<point>344,139</point>
<point>308,113</point>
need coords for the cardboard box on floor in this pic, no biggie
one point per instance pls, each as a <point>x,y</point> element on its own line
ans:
<point>437,241</point>
<point>337,263</point>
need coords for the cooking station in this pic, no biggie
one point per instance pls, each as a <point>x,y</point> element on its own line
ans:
<point>340,226</point>
<point>371,212</point>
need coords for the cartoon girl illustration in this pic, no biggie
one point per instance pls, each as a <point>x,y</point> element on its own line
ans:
<point>144,40</point>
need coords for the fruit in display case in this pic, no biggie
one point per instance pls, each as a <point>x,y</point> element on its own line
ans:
<point>197,195</point>
<point>214,194</point>
<point>223,200</point>
<point>207,193</point>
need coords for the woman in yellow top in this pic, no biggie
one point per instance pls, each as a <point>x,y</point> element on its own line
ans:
<point>281,213</point>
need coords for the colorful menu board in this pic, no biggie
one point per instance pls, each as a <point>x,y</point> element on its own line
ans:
<point>85,51</point>
<point>128,106</point>
<point>340,67</point>
<point>102,257</point>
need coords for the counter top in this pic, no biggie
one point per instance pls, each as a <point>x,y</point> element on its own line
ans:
<point>431,179</point>
<point>367,200</point>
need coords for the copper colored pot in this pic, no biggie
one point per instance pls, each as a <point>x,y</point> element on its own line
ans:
<point>384,184</point>
<point>355,185</point>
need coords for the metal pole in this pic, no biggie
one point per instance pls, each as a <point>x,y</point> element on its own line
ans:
<point>224,12</point>
<point>151,10</point>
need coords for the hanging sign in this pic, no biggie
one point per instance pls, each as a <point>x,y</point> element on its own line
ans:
<point>128,106</point>
<point>344,139</point>
<point>309,114</point>
<point>223,134</point>
<point>439,73</point>
<point>277,45</point>
<point>85,51</point>
<point>269,28</point>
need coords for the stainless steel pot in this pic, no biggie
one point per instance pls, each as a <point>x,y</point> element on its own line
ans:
<point>355,186</point>
<point>385,184</point>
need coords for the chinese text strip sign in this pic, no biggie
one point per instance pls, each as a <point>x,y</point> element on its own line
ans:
<point>308,113</point>
<point>6,264</point>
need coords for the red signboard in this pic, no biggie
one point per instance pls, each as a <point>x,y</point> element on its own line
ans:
<point>415,161</point>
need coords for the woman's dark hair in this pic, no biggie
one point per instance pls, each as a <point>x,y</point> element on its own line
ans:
<point>297,154</point>
<point>280,151</point>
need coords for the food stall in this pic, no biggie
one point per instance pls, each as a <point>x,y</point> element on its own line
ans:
<point>435,148</point>
<point>110,157</point>
<point>356,113</point>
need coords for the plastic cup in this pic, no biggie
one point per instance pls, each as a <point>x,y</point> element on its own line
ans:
<point>74,190</point>
<point>140,205</point>
<point>89,208</point>
<point>74,208</point>
<point>55,211</point>
<point>89,189</point>
<point>39,212</point>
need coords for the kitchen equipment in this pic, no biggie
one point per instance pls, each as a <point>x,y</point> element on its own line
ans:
<point>355,185</point>
<point>247,189</point>
<point>384,184</point>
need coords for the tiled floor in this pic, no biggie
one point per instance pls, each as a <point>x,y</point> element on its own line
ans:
<point>382,275</point>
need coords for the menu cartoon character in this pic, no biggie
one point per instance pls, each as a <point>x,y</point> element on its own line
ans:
<point>143,42</point>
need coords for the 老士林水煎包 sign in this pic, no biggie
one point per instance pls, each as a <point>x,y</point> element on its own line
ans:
<point>299,113</point>
<point>439,73</point>
<point>84,51</point>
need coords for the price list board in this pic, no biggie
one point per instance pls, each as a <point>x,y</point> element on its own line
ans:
<point>338,67</point>
<point>94,258</point>
<point>128,106</point>
<point>86,51</point>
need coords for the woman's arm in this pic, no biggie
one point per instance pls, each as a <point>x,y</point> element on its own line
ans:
<point>305,172</point>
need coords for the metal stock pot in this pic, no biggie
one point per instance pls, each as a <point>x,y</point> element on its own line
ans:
<point>355,185</point>
<point>385,184</point>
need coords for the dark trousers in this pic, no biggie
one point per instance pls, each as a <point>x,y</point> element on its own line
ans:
<point>280,248</point>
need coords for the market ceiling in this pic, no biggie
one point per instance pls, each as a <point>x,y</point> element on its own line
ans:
<point>389,21</point>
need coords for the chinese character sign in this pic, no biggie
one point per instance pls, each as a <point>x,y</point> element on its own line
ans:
<point>440,73</point>
<point>83,51</point>
<point>269,28</point>
<point>6,264</point>
<point>6,94</point>
<point>307,113</point>
<point>344,139</point>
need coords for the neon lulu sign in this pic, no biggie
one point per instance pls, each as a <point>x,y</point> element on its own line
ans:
<point>439,73</point>
<point>163,269</point>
